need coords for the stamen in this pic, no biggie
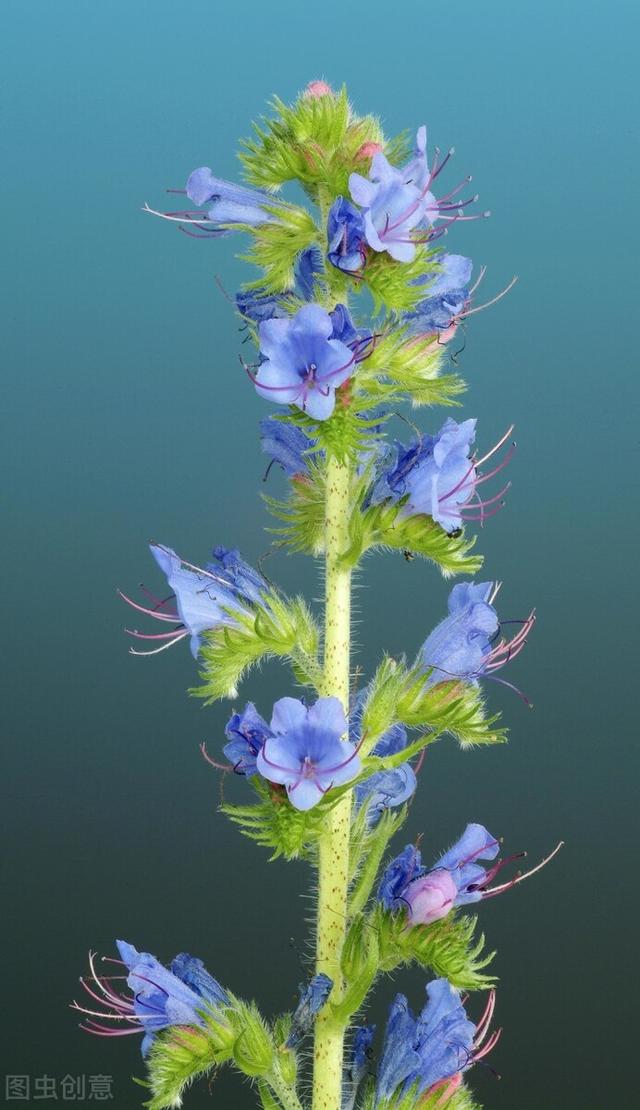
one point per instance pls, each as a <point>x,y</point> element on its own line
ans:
<point>149,612</point>
<point>527,874</point>
<point>156,651</point>
<point>220,766</point>
<point>494,300</point>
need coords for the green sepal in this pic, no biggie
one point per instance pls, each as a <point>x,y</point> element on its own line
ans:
<point>267,1101</point>
<point>461,1099</point>
<point>314,141</point>
<point>360,965</point>
<point>454,707</point>
<point>181,1054</point>
<point>447,947</point>
<point>274,823</point>
<point>287,1057</point>
<point>285,629</point>
<point>253,1048</point>
<point>407,366</point>
<point>303,512</point>
<point>368,846</point>
<point>383,526</point>
<point>276,246</point>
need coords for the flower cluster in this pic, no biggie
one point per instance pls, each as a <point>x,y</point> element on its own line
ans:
<point>330,774</point>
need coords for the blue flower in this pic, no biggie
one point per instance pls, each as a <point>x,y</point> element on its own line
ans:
<point>393,209</point>
<point>346,236</point>
<point>287,444</point>
<point>160,997</point>
<point>246,733</point>
<point>204,598</point>
<point>229,203</point>
<point>312,999</point>
<point>460,647</point>
<point>384,789</point>
<point>448,294</point>
<point>257,305</point>
<point>357,1063</point>
<point>435,474</point>
<point>454,880</point>
<point>303,365</point>
<point>421,1053</point>
<point>306,753</point>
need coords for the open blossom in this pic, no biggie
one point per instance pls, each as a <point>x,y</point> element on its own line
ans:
<point>160,997</point>
<point>430,1052</point>
<point>457,878</point>
<point>228,204</point>
<point>439,476</point>
<point>246,733</point>
<point>466,645</point>
<point>306,752</point>
<point>303,364</point>
<point>201,598</point>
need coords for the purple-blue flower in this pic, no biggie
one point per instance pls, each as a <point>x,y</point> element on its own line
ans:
<point>286,444</point>
<point>431,1051</point>
<point>201,598</point>
<point>393,209</point>
<point>229,203</point>
<point>436,475</point>
<point>307,268</point>
<point>246,733</point>
<point>306,753</point>
<point>303,364</point>
<point>346,249</point>
<point>313,996</point>
<point>465,644</point>
<point>384,789</point>
<point>447,295</point>
<point>257,305</point>
<point>457,878</point>
<point>358,1062</point>
<point>160,997</point>
<point>427,894</point>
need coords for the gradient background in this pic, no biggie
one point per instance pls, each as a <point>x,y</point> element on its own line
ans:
<point>127,417</point>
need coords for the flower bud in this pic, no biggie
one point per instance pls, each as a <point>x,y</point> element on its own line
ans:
<point>431,897</point>
<point>316,89</point>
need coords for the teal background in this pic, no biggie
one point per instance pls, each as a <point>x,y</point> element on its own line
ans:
<point>127,418</point>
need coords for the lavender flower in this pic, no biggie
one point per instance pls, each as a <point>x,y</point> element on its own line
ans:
<point>438,476</point>
<point>426,1053</point>
<point>257,305</point>
<point>308,266</point>
<point>346,240</point>
<point>399,208</point>
<point>464,645</point>
<point>458,878</point>
<point>246,733</point>
<point>312,998</point>
<point>303,365</point>
<point>306,753</point>
<point>203,598</point>
<point>229,203</point>
<point>160,997</point>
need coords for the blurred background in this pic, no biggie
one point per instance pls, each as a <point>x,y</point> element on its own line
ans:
<point>127,417</point>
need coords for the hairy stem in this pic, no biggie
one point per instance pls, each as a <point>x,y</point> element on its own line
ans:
<point>286,1096</point>
<point>333,858</point>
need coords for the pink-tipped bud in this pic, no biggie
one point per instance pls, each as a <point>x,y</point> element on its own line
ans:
<point>431,897</point>
<point>367,150</point>
<point>317,89</point>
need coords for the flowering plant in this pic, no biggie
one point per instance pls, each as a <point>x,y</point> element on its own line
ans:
<point>350,318</point>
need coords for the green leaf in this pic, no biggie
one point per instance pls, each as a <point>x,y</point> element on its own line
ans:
<point>383,526</point>
<point>368,846</point>
<point>454,707</point>
<point>461,1099</point>
<point>303,512</point>
<point>284,628</point>
<point>275,824</point>
<point>393,284</point>
<point>276,246</point>
<point>447,947</point>
<point>401,365</point>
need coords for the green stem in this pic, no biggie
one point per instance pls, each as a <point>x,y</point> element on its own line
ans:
<point>285,1094</point>
<point>333,854</point>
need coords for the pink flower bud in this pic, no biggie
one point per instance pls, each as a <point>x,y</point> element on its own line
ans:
<point>367,150</point>
<point>430,897</point>
<point>317,89</point>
